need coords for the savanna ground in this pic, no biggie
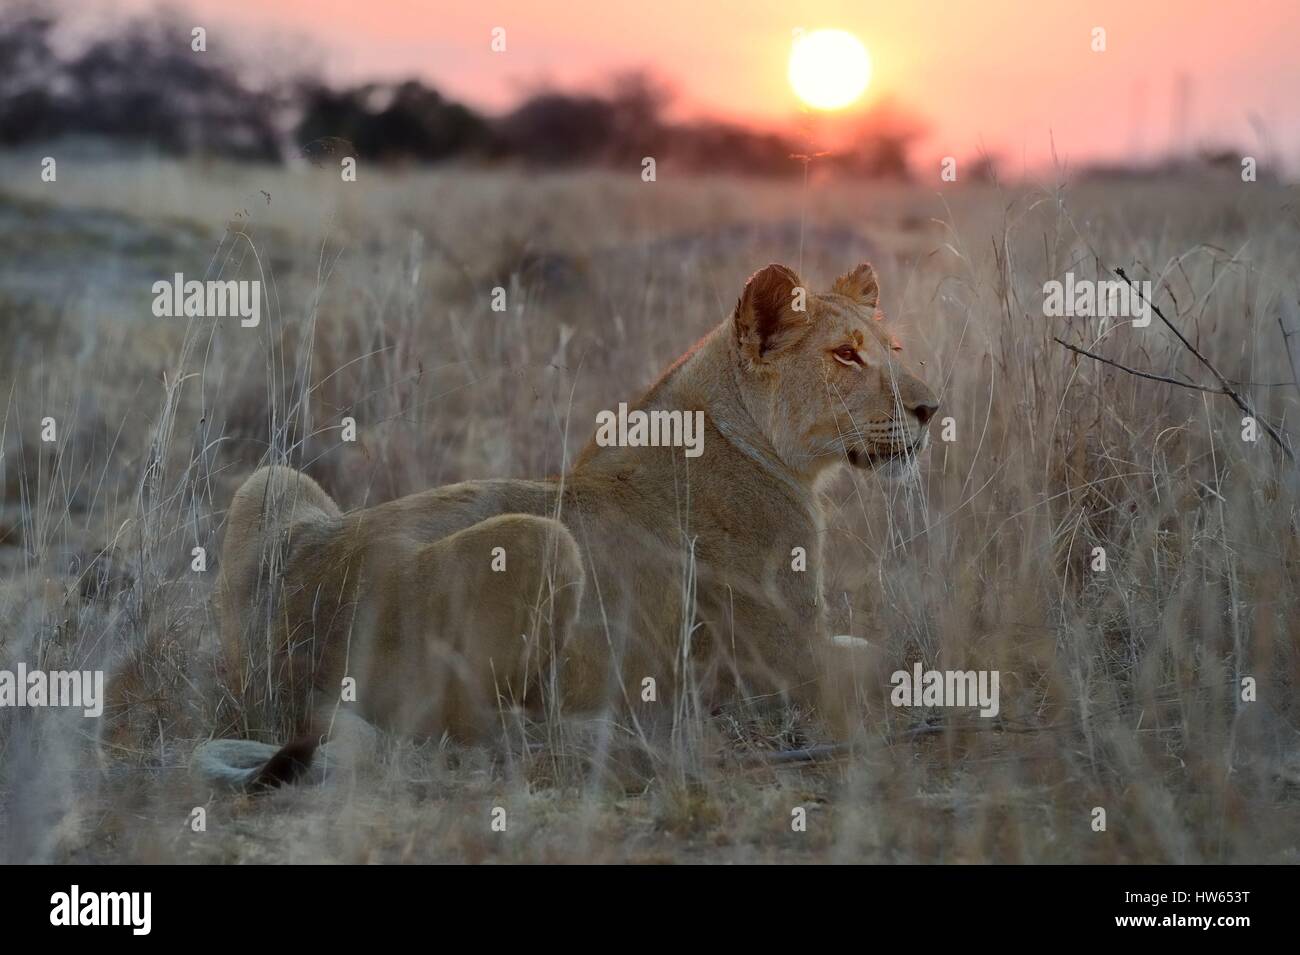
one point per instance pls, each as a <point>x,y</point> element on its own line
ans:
<point>1118,689</point>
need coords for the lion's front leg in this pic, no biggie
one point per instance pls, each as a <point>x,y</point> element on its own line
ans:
<point>786,652</point>
<point>775,651</point>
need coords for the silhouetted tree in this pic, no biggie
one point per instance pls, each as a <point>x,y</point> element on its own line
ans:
<point>725,148</point>
<point>142,82</point>
<point>559,129</point>
<point>145,83</point>
<point>886,133</point>
<point>409,121</point>
<point>555,128</point>
<point>29,75</point>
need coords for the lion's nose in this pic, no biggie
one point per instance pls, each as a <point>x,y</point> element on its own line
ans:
<point>925,409</point>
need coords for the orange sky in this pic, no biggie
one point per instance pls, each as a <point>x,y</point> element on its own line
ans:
<point>1011,75</point>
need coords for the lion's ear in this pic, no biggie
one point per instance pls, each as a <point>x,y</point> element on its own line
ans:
<point>770,312</point>
<point>859,285</point>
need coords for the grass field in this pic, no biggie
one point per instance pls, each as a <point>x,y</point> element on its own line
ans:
<point>1119,690</point>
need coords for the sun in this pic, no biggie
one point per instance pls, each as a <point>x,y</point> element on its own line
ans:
<point>829,69</point>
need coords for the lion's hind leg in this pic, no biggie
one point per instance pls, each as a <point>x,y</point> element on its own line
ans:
<point>276,513</point>
<point>493,605</point>
<point>270,507</point>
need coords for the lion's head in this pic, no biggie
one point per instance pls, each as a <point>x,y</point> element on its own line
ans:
<point>824,376</point>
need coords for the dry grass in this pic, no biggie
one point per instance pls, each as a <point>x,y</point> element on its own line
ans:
<point>1118,690</point>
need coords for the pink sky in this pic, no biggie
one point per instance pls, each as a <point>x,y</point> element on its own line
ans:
<point>1010,75</point>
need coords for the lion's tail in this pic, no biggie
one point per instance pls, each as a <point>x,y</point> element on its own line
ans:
<point>247,766</point>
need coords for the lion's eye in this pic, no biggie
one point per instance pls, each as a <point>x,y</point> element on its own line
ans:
<point>846,355</point>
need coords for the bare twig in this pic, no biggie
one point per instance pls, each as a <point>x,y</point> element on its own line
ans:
<point>1292,358</point>
<point>1239,400</point>
<point>1225,386</point>
<point>1134,371</point>
<point>809,754</point>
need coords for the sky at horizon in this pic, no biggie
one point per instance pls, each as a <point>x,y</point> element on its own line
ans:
<point>1015,78</point>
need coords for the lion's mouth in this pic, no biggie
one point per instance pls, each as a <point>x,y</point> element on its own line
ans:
<point>873,456</point>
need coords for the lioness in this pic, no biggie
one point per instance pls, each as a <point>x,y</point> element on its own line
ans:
<point>642,569</point>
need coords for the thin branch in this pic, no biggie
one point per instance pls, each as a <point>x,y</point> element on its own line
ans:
<point>808,754</point>
<point>1292,359</point>
<point>1140,374</point>
<point>1227,389</point>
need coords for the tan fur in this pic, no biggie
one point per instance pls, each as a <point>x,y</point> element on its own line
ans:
<point>604,566</point>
